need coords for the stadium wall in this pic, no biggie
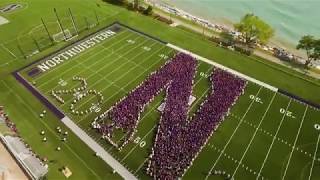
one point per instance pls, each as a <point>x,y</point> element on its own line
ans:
<point>300,99</point>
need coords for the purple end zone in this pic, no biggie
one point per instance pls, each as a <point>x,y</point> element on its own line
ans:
<point>36,93</point>
<point>34,72</point>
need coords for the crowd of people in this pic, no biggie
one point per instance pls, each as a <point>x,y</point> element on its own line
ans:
<point>56,93</point>
<point>179,140</point>
<point>126,113</point>
<point>7,121</point>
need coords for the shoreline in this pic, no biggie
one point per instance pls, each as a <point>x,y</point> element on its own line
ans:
<point>223,24</point>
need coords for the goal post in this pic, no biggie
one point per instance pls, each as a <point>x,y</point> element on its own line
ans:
<point>62,36</point>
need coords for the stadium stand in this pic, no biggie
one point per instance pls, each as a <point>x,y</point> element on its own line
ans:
<point>31,164</point>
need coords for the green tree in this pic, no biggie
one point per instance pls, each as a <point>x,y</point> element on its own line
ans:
<point>227,38</point>
<point>254,30</point>
<point>136,4</point>
<point>312,48</point>
<point>148,11</point>
<point>118,2</point>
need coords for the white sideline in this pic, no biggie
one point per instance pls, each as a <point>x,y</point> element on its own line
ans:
<point>314,158</point>
<point>224,68</point>
<point>102,153</point>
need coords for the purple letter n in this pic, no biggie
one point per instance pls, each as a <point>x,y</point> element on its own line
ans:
<point>178,139</point>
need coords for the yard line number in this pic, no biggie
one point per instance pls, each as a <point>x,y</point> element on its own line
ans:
<point>163,56</point>
<point>203,74</point>
<point>146,48</point>
<point>287,113</point>
<point>131,41</point>
<point>140,141</point>
<point>62,82</point>
<point>256,99</point>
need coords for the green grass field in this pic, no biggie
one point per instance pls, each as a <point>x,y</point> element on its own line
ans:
<point>255,137</point>
<point>266,133</point>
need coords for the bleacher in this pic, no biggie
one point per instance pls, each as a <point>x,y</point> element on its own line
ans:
<point>31,164</point>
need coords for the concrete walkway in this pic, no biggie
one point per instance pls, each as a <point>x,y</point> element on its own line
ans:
<point>102,153</point>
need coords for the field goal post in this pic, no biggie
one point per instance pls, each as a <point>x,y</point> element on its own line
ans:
<point>60,36</point>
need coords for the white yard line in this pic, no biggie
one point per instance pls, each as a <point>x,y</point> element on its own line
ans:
<point>254,135</point>
<point>141,165</point>
<point>10,52</point>
<point>125,86</point>
<point>103,77</point>
<point>52,131</point>
<point>314,158</point>
<point>234,132</point>
<point>284,142</point>
<point>273,140</point>
<point>78,58</point>
<point>125,157</point>
<point>235,161</point>
<point>136,65</point>
<point>104,89</point>
<point>84,60</point>
<point>105,65</point>
<point>120,77</point>
<point>86,52</point>
<point>295,143</point>
<point>109,81</point>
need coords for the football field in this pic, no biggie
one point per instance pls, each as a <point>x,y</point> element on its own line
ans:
<point>265,136</point>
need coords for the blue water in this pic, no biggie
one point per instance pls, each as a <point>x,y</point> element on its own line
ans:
<point>291,19</point>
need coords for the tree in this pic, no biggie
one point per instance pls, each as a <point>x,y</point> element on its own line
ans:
<point>148,11</point>
<point>117,2</point>
<point>136,4</point>
<point>254,30</point>
<point>312,48</point>
<point>227,38</point>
